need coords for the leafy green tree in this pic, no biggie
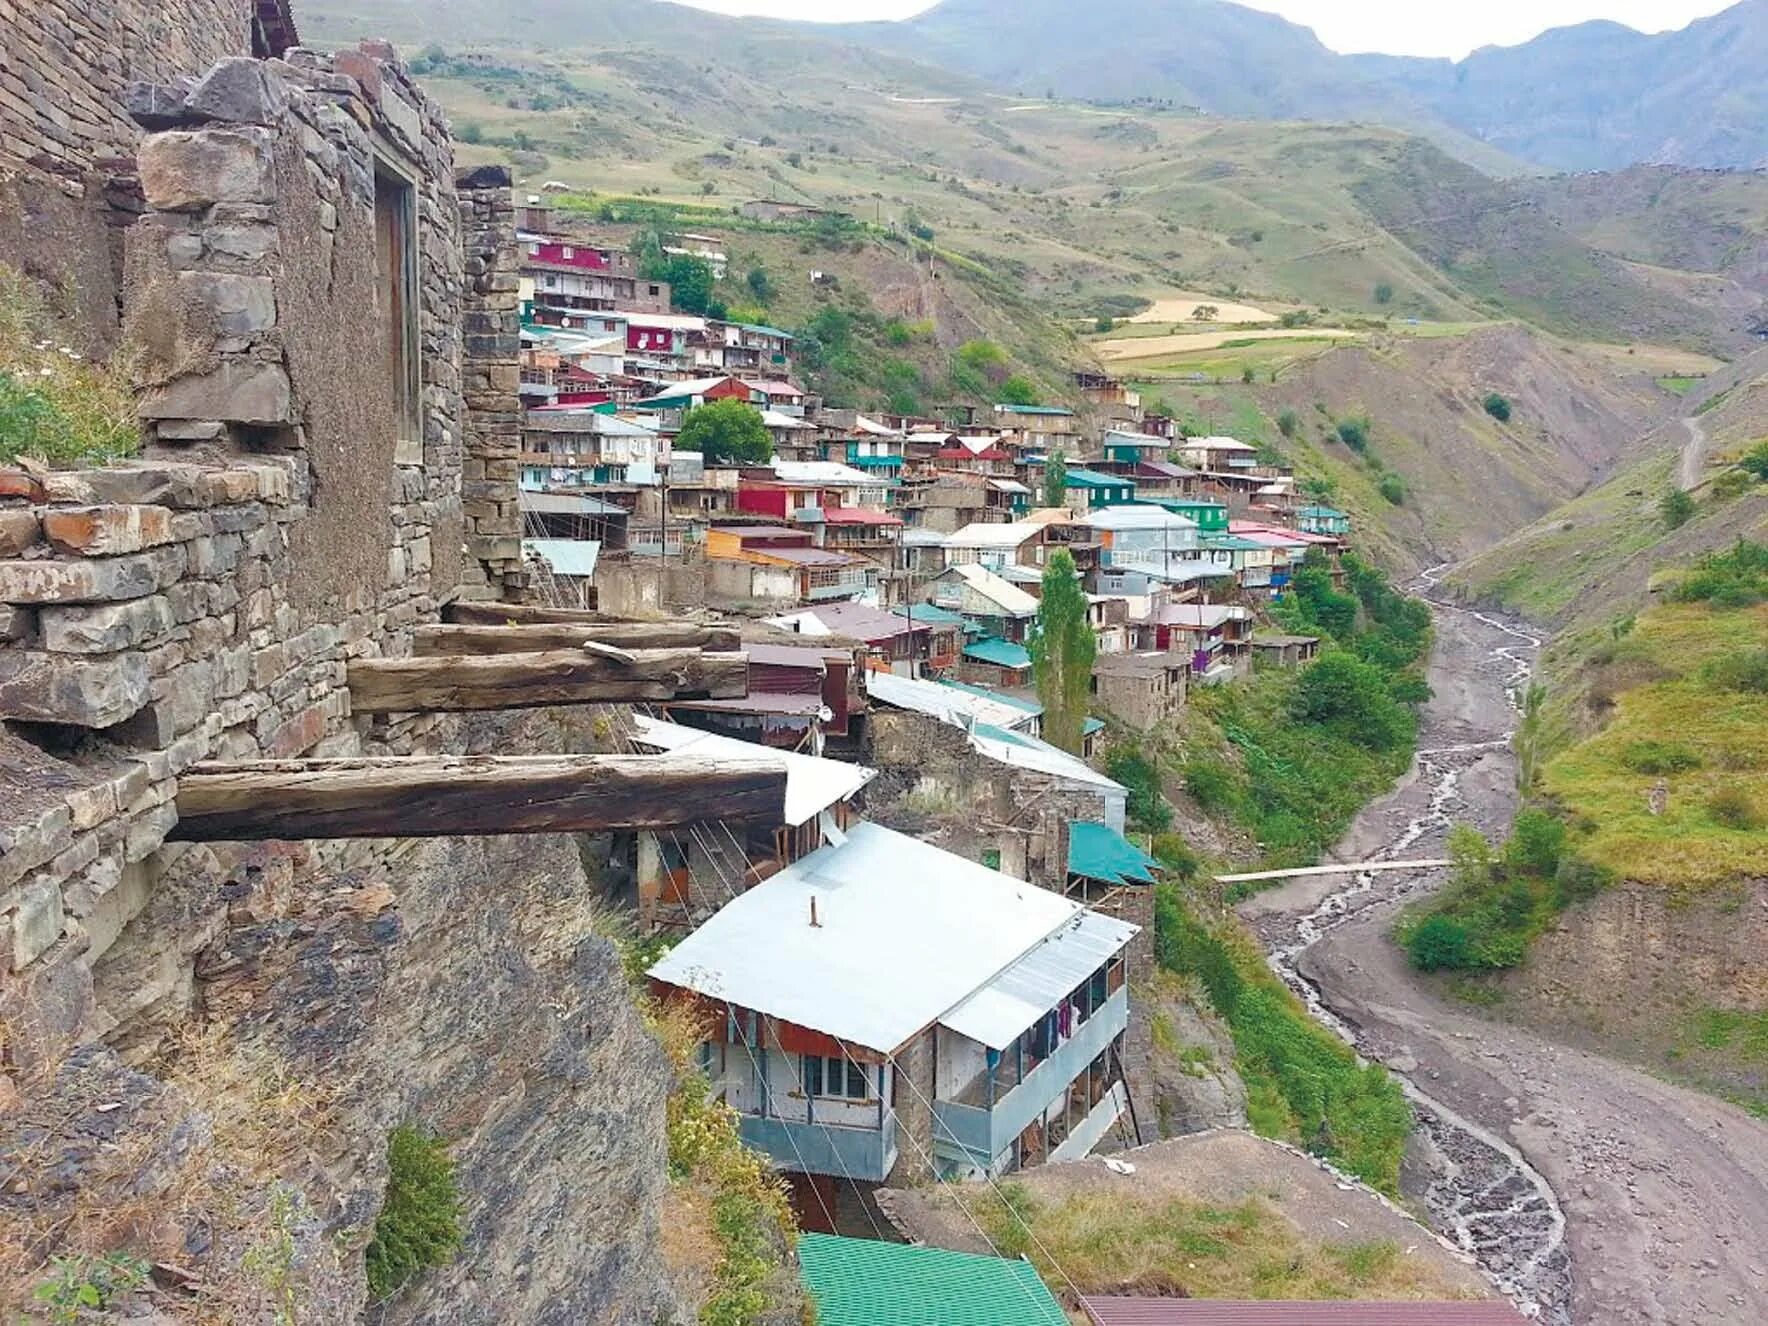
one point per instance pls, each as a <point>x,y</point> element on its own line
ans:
<point>1393,488</point>
<point>727,430</point>
<point>1677,508</point>
<point>1384,293</point>
<point>1018,390</point>
<point>1287,423</point>
<point>1498,407</point>
<point>1104,323</point>
<point>1055,484</point>
<point>1354,433</point>
<point>1341,691</point>
<point>1440,943</point>
<point>1063,647</point>
<point>1146,805</point>
<point>761,285</point>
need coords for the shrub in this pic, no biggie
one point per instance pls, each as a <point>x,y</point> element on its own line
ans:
<point>1354,433</point>
<point>1175,855</point>
<point>1211,784</point>
<point>1733,579</point>
<point>1440,943</point>
<point>1146,804</point>
<point>54,404</point>
<point>419,1223</point>
<point>1498,407</point>
<point>1384,293</point>
<point>1732,807</point>
<point>1104,323</point>
<point>1747,671</point>
<point>1287,423</point>
<point>1393,488</point>
<point>1017,390</point>
<point>1676,508</point>
<point>1341,691</point>
<point>1660,757</point>
<point>761,285</point>
<point>1755,461</point>
<point>1536,842</point>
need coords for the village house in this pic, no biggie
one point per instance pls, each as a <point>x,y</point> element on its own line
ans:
<point>799,696</point>
<point>778,210</point>
<point>974,455</point>
<point>1213,455</point>
<point>683,877</point>
<point>1002,609</point>
<point>1044,429</point>
<point>1323,520</point>
<point>584,448</point>
<point>1109,399</point>
<point>745,348</point>
<point>885,1009</point>
<point>563,275</point>
<point>1252,562</point>
<point>1217,637</point>
<point>774,564</point>
<point>1284,651</point>
<point>1087,490</point>
<point>862,1282</point>
<point>994,545</point>
<point>894,642</point>
<point>1144,689</point>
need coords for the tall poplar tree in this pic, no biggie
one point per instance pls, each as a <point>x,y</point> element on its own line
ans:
<point>1062,650</point>
<point>1055,480</point>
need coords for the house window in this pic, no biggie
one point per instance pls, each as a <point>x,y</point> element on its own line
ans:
<point>656,290</point>
<point>834,1075</point>
<point>395,224</point>
<point>568,252</point>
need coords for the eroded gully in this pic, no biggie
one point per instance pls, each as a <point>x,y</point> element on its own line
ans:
<point>1480,1190</point>
<point>1590,1193</point>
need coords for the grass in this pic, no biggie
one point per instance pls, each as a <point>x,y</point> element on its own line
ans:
<point>1678,383</point>
<point>56,405</point>
<point>1720,739</point>
<point>419,1223</point>
<point>1304,1085</point>
<point>1167,1246</point>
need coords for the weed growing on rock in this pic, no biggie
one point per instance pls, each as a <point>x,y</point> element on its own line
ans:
<point>55,404</point>
<point>81,1284</point>
<point>419,1223</point>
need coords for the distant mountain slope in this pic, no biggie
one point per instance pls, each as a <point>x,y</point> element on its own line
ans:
<point>1594,96</point>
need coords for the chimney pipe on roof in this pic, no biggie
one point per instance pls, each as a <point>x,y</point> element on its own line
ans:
<point>815,924</point>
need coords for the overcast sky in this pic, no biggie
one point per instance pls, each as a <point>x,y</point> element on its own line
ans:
<point>1402,27</point>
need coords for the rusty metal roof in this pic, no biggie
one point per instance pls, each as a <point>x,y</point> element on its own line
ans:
<point>1221,1312</point>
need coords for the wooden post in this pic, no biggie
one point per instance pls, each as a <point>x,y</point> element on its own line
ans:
<point>459,682</point>
<point>538,637</point>
<point>447,795</point>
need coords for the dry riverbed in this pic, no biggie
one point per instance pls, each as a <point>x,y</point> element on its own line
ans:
<point>1594,1193</point>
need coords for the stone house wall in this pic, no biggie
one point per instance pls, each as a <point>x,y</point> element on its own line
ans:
<point>66,138</point>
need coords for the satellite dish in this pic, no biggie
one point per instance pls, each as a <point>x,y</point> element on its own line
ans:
<point>825,714</point>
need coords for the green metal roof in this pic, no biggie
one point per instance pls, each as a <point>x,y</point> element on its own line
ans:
<point>1081,478</point>
<point>764,329</point>
<point>933,615</point>
<point>863,1282</point>
<point>1325,511</point>
<point>1033,409</point>
<point>1100,852</point>
<point>1230,542</point>
<point>1002,653</point>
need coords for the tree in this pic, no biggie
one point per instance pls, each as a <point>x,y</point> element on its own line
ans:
<point>1104,323</point>
<point>727,430</point>
<point>1677,508</point>
<point>1055,492</point>
<point>1287,423</point>
<point>690,282</point>
<point>1354,433</point>
<point>1384,293</point>
<point>1340,691</point>
<point>761,285</point>
<point>1498,407</point>
<point>1017,390</point>
<point>1205,313</point>
<point>1393,488</point>
<point>1062,650</point>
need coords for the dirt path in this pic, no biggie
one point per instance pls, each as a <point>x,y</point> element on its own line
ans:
<point>1591,1191</point>
<point>1694,454</point>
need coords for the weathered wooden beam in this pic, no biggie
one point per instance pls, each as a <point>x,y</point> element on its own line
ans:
<point>507,614</point>
<point>454,682</point>
<point>532,637</point>
<point>450,795</point>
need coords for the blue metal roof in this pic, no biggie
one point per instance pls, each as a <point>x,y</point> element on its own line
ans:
<point>1001,653</point>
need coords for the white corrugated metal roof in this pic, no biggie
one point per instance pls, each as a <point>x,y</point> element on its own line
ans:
<point>820,471</point>
<point>906,933</point>
<point>992,534</point>
<point>1032,753</point>
<point>813,784</point>
<point>1138,516</point>
<point>1012,600</point>
<point>566,557</point>
<point>567,504</point>
<point>945,703</point>
<point>996,1014</point>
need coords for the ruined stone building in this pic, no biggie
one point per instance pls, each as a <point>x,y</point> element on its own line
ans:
<point>207,1027</point>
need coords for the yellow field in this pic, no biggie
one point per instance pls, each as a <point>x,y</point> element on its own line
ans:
<point>1166,347</point>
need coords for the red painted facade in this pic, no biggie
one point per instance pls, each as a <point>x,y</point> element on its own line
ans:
<point>573,255</point>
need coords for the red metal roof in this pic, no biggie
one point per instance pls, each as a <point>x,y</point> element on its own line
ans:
<point>858,515</point>
<point>1217,1312</point>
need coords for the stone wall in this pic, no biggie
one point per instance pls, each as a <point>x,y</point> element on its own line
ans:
<point>493,342</point>
<point>66,138</point>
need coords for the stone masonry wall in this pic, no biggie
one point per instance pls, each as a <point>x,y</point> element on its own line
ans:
<point>65,135</point>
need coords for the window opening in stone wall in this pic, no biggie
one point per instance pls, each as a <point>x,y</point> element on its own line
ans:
<point>395,225</point>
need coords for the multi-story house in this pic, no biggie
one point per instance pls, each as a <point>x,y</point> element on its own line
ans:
<point>775,564</point>
<point>883,1009</point>
<point>1039,429</point>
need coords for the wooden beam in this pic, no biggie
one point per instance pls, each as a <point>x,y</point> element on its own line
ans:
<point>456,682</point>
<point>534,637</point>
<point>521,614</point>
<point>449,795</point>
